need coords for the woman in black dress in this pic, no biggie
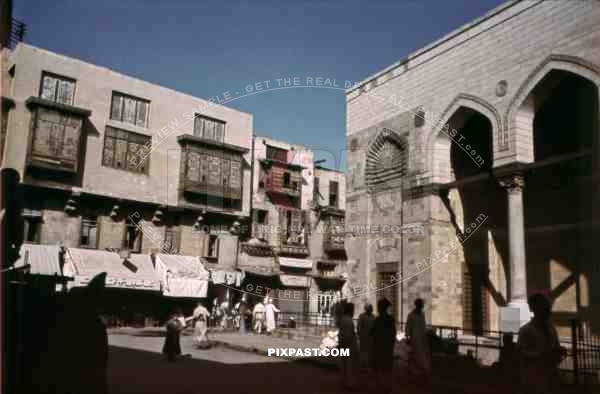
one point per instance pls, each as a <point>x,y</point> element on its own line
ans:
<point>175,325</point>
<point>384,339</point>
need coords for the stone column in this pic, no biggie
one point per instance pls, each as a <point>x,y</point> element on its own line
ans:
<point>516,244</point>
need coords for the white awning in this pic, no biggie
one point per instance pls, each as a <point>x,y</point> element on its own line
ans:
<point>295,263</point>
<point>182,276</point>
<point>294,280</point>
<point>42,259</point>
<point>136,272</point>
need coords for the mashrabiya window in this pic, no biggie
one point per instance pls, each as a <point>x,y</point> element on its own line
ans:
<point>125,150</point>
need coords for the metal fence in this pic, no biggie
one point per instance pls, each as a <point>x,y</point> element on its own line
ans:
<point>581,363</point>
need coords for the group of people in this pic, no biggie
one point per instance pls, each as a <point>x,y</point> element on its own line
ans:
<point>372,342</point>
<point>261,318</point>
<point>531,363</point>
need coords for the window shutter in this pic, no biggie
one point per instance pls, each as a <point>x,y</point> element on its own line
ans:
<point>65,92</point>
<point>117,107</point>
<point>129,110</point>
<point>49,87</point>
<point>142,109</point>
<point>235,179</point>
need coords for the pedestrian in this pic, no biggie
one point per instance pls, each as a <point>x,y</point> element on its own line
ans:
<point>366,320</point>
<point>172,346</point>
<point>416,333</point>
<point>270,310</point>
<point>258,313</point>
<point>347,340</point>
<point>539,350</point>
<point>384,339</point>
<point>242,311</point>
<point>200,317</point>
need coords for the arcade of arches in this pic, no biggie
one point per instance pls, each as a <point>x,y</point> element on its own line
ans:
<point>535,214</point>
<point>539,230</point>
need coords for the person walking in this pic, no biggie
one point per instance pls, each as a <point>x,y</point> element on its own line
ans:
<point>384,339</point>
<point>242,311</point>
<point>416,333</point>
<point>200,317</point>
<point>175,324</point>
<point>366,321</point>
<point>539,349</point>
<point>258,313</point>
<point>347,340</point>
<point>270,310</point>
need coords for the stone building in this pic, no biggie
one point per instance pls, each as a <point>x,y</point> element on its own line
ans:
<point>487,140</point>
<point>112,162</point>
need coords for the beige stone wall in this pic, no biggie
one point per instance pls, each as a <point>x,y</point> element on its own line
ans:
<point>60,228</point>
<point>517,43</point>
<point>170,115</point>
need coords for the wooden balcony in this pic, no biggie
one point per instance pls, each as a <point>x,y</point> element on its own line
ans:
<point>334,244</point>
<point>293,249</point>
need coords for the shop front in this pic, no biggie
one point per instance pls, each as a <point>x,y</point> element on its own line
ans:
<point>132,293</point>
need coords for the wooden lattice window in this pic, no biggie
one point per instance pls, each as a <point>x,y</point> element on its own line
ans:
<point>129,109</point>
<point>125,150</point>
<point>56,137</point>
<point>213,173</point>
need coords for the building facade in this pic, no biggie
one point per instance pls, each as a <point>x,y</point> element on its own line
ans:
<point>479,156</point>
<point>297,222</point>
<point>110,162</point>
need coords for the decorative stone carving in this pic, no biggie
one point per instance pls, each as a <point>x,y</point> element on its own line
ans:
<point>513,183</point>
<point>158,215</point>
<point>114,213</point>
<point>419,118</point>
<point>501,88</point>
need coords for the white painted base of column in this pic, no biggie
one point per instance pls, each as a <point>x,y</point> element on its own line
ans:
<point>514,316</point>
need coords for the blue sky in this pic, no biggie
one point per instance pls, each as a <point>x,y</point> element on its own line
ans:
<point>207,48</point>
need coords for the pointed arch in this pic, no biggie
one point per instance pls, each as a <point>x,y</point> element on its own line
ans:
<point>439,148</point>
<point>520,116</point>
<point>387,161</point>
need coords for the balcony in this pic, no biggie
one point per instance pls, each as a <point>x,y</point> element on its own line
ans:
<point>293,249</point>
<point>293,244</point>
<point>257,249</point>
<point>211,168</point>
<point>56,135</point>
<point>333,243</point>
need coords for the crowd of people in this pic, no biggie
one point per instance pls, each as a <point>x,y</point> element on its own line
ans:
<point>531,363</point>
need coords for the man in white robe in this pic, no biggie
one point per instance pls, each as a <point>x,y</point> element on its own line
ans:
<point>200,317</point>
<point>258,313</point>
<point>270,310</point>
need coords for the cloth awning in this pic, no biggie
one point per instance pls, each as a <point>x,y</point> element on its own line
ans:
<point>229,278</point>
<point>294,280</point>
<point>182,276</point>
<point>295,263</point>
<point>135,272</point>
<point>42,259</point>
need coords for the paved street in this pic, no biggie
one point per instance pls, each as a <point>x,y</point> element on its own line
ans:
<point>136,366</point>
